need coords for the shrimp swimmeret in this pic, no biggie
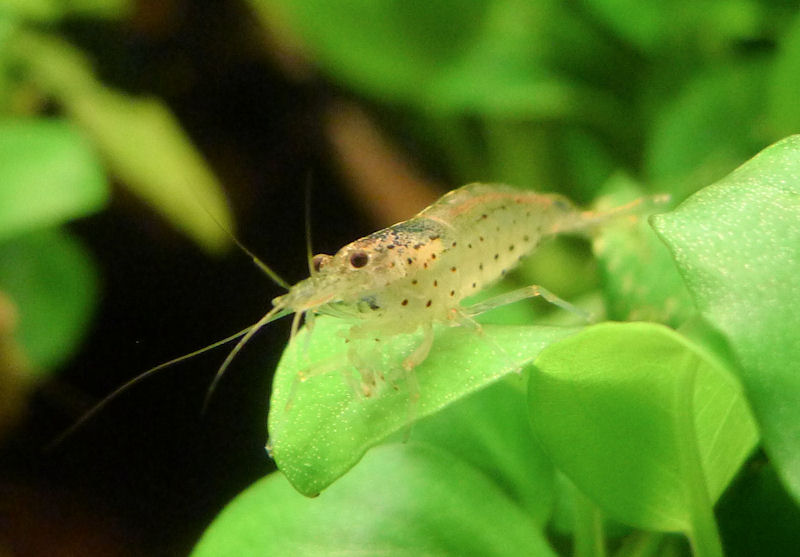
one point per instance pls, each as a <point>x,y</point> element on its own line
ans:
<point>414,274</point>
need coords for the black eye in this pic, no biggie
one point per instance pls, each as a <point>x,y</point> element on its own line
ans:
<point>358,259</point>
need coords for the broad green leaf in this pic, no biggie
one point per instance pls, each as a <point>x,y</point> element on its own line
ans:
<point>327,427</point>
<point>644,422</point>
<point>140,139</point>
<point>53,282</point>
<point>49,174</point>
<point>640,281</point>
<point>490,430</point>
<point>737,245</point>
<point>401,500</point>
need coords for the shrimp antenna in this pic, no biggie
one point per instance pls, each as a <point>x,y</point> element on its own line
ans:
<point>261,265</point>
<point>309,249</point>
<point>94,410</point>
<point>275,313</point>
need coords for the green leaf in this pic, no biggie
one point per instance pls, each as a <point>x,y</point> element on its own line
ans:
<point>737,245</point>
<point>645,423</point>
<point>49,174</point>
<point>36,10</point>
<point>402,499</point>
<point>52,280</point>
<point>327,428</point>
<point>140,139</point>
<point>402,47</point>
<point>53,10</point>
<point>783,114</point>
<point>640,281</point>
<point>490,431</point>
<point>98,8</point>
<point>498,58</point>
<point>707,130</point>
<point>146,148</point>
<point>664,27</point>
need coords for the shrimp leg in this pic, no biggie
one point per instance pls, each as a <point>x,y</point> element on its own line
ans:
<point>412,361</point>
<point>334,363</point>
<point>523,294</point>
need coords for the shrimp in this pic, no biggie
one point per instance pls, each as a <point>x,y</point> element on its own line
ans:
<point>416,273</point>
<point>413,275</point>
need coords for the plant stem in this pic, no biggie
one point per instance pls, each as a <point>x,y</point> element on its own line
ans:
<point>589,536</point>
<point>702,529</point>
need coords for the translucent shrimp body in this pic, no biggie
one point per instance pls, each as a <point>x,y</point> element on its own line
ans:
<point>416,273</point>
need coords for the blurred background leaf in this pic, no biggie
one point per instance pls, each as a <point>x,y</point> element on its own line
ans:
<point>50,174</point>
<point>141,141</point>
<point>52,279</point>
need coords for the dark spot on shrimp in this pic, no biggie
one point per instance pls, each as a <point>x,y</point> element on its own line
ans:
<point>404,302</point>
<point>496,255</point>
<point>452,292</point>
<point>429,303</point>
<point>474,285</point>
<point>452,269</point>
<point>433,256</point>
<point>434,237</point>
<point>480,266</point>
<point>526,238</point>
<point>417,246</point>
<point>483,216</point>
<point>511,247</point>
<point>454,244</point>
<point>425,265</point>
<point>435,283</point>
<point>410,261</point>
<point>469,246</point>
<point>414,281</point>
<point>391,246</point>
<point>480,238</point>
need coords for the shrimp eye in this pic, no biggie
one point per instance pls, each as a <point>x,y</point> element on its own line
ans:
<point>358,259</point>
<point>319,261</point>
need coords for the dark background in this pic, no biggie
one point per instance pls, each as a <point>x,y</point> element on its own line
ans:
<point>147,475</point>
